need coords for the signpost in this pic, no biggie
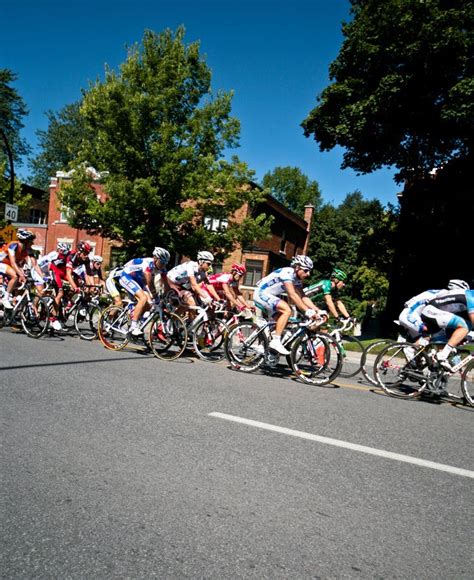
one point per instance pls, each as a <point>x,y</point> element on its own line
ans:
<point>11,212</point>
<point>8,234</point>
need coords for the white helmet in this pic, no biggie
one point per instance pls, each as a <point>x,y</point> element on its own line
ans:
<point>205,257</point>
<point>458,285</point>
<point>96,258</point>
<point>63,247</point>
<point>303,262</point>
<point>162,255</point>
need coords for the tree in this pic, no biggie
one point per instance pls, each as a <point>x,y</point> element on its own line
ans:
<point>160,133</point>
<point>403,89</point>
<point>12,146</point>
<point>59,144</point>
<point>292,188</point>
<point>357,236</point>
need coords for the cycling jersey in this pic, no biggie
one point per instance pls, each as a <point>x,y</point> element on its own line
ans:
<point>46,260</point>
<point>267,293</point>
<point>410,316</point>
<point>320,289</point>
<point>132,277</point>
<point>447,310</point>
<point>13,249</point>
<point>217,281</point>
<point>181,274</point>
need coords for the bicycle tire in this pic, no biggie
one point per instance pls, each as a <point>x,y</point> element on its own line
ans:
<point>402,370</point>
<point>35,318</point>
<point>316,359</point>
<point>86,325</point>
<point>467,383</point>
<point>369,357</point>
<point>168,336</point>
<point>209,339</point>
<point>114,325</point>
<point>242,354</point>
<point>353,352</point>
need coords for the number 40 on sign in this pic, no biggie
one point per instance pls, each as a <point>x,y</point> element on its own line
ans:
<point>11,212</point>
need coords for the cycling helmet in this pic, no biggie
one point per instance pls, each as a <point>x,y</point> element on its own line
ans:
<point>62,247</point>
<point>25,235</point>
<point>458,285</point>
<point>96,258</point>
<point>339,275</point>
<point>84,247</point>
<point>239,268</point>
<point>302,262</point>
<point>162,255</point>
<point>205,257</point>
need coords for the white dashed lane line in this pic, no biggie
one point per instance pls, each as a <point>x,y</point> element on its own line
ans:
<point>347,445</point>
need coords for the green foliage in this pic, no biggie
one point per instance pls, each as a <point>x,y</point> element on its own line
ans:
<point>160,133</point>
<point>59,144</point>
<point>20,199</point>
<point>403,88</point>
<point>292,188</point>
<point>357,236</point>
<point>12,112</point>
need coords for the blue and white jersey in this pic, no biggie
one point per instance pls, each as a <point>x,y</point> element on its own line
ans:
<point>274,283</point>
<point>180,274</point>
<point>454,301</point>
<point>45,261</point>
<point>421,299</point>
<point>137,267</point>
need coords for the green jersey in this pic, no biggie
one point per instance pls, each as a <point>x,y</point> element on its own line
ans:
<point>319,290</point>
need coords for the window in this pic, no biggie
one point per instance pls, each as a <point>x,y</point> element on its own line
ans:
<point>63,216</point>
<point>283,242</point>
<point>215,224</point>
<point>37,216</point>
<point>254,272</point>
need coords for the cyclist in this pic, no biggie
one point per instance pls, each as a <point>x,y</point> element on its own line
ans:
<point>12,258</point>
<point>186,280</point>
<point>410,316</point>
<point>290,280</point>
<point>96,270</point>
<point>67,268</point>
<point>227,286</point>
<point>452,311</point>
<point>328,289</point>
<point>137,278</point>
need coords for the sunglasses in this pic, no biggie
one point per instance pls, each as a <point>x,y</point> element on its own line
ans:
<point>307,270</point>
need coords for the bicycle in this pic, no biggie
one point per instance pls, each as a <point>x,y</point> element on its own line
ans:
<point>31,311</point>
<point>351,347</point>
<point>315,357</point>
<point>406,371</point>
<point>164,332</point>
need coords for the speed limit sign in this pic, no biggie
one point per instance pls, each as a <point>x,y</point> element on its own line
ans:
<point>11,212</point>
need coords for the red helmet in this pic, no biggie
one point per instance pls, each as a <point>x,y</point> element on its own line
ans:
<point>239,268</point>
<point>84,247</point>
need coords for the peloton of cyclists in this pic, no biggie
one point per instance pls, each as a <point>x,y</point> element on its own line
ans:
<point>289,280</point>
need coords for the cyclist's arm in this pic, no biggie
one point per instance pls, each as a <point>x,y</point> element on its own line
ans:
<point>342,308</point>
<point>230,295</point>
<point>196,288</point>
<point>15,266</point>
<point>330,305</point>
<point>297,296</point>
<point>150,283</point>
<point>70,278</point>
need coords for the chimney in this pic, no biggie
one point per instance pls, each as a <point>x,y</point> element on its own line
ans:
<point>308,218</point>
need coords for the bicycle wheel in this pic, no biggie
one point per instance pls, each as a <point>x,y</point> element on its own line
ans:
<point>316,359</point>
<point>245,346</point>
<point>86,321</point>
<point>467,383</point>
<point>114,325</point>
<point>168,336</point>
<point>368,359</point>
<point>35,318</point>
<point>352,353</point>
<point>209,338</point>
<point>402,370</point>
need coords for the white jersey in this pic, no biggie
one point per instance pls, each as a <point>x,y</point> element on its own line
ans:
<point>274,283</point>
<point>180,274</point>
<point>421,299</point>
<point>45,261</point>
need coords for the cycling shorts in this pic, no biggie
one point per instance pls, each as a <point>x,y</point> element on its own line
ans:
<point>38,280</point>
<point>266,302</point>
<point>130,284</point>
<point>3,268</point>
<point>111,287</point>
<point>58,275</point>
<point>436,319</point>
<point>411,320</point>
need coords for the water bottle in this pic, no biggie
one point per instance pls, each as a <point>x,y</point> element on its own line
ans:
<point>455,360</point>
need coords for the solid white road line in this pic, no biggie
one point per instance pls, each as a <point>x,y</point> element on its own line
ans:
<point>347,445</point>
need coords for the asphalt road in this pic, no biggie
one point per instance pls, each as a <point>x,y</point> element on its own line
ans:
<point>118,465</point>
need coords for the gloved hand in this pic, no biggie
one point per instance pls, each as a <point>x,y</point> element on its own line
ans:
<point>310,313</point>
<point>206,299</point>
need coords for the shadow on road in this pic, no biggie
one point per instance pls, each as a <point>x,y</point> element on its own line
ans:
<point>75,362</point>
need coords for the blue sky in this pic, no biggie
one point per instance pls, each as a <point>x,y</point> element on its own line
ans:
<point>273,54</point>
